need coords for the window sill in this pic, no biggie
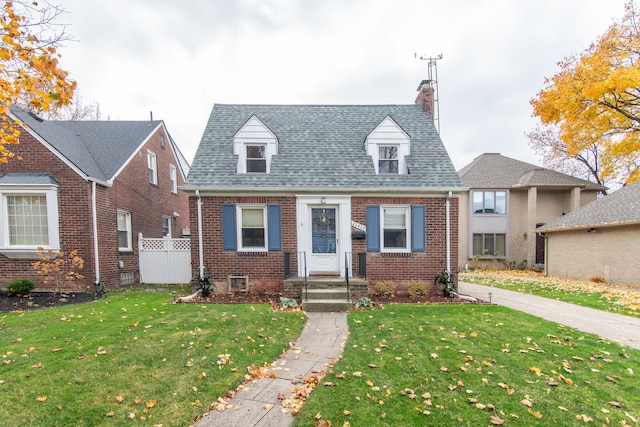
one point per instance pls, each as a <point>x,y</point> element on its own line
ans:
<point>23,253</point>
<point>125,251</point>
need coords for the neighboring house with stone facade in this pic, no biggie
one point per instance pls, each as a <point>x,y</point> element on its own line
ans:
<point>322,190</point>
<point>506,201</point>
<point>91,186</point>
<point>599,240</point>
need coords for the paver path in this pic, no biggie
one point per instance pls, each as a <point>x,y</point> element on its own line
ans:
<point>320,344</point>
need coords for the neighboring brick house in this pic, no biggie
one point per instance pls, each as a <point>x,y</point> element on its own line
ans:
<point>275,187</point>
<point>598,240</point>
<point>505,202</point>
<point>91,186</point>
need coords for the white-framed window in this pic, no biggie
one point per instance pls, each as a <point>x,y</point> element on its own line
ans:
<point>152,166</point>
<point>166,226</point>
<point>396,232</point>
<point>124,231</point>
<point>252,228</point>
<point>388,159</point>
<point>256,158</point>
<point>489,202</point>
<point>255,145</point>
<point>29,219</point>
<point>173,178</point>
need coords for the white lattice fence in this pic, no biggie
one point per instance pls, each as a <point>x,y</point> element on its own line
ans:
<point>164,260</point>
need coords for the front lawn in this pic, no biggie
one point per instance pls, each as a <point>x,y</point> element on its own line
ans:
<point>602,296</point>
<point>131,359</point>
<point>473,365</point>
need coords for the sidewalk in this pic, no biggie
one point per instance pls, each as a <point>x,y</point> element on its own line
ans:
<point>611,326</point>
<point>319,345</point>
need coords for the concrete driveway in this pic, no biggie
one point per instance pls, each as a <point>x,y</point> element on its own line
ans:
<point>611,326</point>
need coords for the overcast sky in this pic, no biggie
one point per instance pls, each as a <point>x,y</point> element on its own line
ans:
<point>178,58</point>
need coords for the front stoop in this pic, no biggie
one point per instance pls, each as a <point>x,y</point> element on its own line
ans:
<point>325,300</point>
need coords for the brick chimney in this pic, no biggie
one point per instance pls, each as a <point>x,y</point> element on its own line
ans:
<point>425,97</point>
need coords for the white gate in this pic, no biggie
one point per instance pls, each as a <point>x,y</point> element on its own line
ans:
<point>165,260</point>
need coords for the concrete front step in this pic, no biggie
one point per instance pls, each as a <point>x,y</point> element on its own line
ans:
<point>326,306</point>
<point>325,293</point>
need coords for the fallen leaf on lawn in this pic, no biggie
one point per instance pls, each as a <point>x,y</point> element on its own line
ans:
<point>37,365</point>
<point>110,414</point>
<point>59,407</point>
<point>496,420</point>
<point>318,416</point>
<point>357,374</point>
<point>137,400</point>
<point>604,410</point>
<point>434,356</point>
<point>563,409</point>
<point>527,402</point>
<point>584,417</point>
<point>81,356</point>
<point>41,398</point>
<point>373,365</point>
<point>473,334</point>
<point>346,412</point>
<point>370,383</point>
<point>329,384</point>
<point>119,399</point>
<point>536,414</point>
<point>151,403</point>
<point>56,350</point>
<point>616,404</point>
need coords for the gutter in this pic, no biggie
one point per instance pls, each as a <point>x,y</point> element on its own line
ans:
<point>200,252</point>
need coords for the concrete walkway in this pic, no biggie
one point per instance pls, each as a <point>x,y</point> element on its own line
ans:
<point>320,344</point>
<point>611,326</point>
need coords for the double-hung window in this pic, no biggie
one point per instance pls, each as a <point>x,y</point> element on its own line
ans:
<point>256,158</point>
<point>28,214</point>
<point>489,202</point>
<point>124,231</point>
<point>489,245</point>
<point>152,167</point>
<point>173,179</point>
<point>252,230</point>
<point>166,226</point>
<point>395,229</point>
<point>387,159</point>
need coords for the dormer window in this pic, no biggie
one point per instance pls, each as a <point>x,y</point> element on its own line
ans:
<point>389,146</point>
<point>387,159</point>
<point>255,145</point>
<point>256,158</point>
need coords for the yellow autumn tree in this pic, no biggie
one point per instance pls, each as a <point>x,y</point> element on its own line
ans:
<point>30,75</point>
<point>591,107</point>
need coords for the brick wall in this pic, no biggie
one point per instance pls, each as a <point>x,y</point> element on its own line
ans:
<point>266,270</point>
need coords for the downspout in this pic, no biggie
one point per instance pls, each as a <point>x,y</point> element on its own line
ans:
<point>94,214</point>
<point>448,230</point>
<point>200,252</point>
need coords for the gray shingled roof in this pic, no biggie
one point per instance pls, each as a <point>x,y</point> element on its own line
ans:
<point>97,148</point>
<point>321,147</point>
<point>619,208</point>
<point>492,170</point>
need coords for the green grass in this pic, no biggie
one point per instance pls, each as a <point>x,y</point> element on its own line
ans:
<point>615,299</point>
<point>134,345</point>
<point>489,354</point>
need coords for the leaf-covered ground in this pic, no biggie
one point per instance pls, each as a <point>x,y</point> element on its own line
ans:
<point>132,359</point>
<point>472,365</point>
<point>603,296</point>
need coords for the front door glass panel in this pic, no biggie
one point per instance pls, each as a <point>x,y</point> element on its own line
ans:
<point>323,231</point>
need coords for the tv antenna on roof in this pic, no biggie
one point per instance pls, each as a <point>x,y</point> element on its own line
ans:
<point>432,72</point>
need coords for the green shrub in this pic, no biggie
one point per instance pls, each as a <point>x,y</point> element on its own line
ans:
<point>365,302</point>
<point>417,287</point>
<point>288,303</point>
<point>21,286</point>
<point>385,287</point>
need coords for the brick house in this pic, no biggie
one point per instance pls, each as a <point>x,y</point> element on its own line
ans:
<point>506,199</point>
<point>91,186</point>
<point>324,190</point>
<point>598,240</point>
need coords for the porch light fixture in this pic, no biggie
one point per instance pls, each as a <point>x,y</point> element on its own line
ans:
<point>323,201</point>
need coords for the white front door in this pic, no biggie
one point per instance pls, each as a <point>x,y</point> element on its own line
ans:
<point>324,240</point>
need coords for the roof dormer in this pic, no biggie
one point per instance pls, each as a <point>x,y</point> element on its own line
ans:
<point>388,145</point>
<point>254,144</point>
